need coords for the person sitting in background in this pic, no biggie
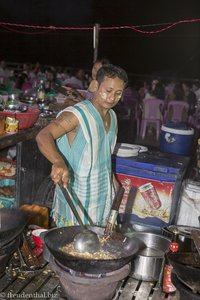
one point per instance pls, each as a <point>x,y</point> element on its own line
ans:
<point>196,89</point>
<point>22,82</point>
<point>142,88</point>
<point>37,70</point>
<point>79,144</point>
<point>50,80</point>
<point>5,73</point>
<point>72,90</point>
<point>189,96</point>
<point>27,69</point>
<point>96,66</point>
<point>74,83</point>
<point>157,92</point>
<point>177,93</point>
<point>76,80</point>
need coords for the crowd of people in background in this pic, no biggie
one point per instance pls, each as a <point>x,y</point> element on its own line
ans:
<point>77,78</point>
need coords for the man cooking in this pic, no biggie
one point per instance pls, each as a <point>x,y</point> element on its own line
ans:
<point>79,144</point>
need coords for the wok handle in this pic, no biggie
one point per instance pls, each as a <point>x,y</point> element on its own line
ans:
<point>130,200</point>
<point>114,212</point>
<point>118,199</point>
<point>63,91</point>
<point>68,197</point>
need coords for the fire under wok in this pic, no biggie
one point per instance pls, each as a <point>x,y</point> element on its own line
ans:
<point>12,223</point>
<point>120,247</point>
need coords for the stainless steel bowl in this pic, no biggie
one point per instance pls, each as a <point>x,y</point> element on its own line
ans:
<point>147,264</point>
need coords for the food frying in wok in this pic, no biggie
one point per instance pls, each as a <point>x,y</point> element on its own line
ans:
<point>106,251</point>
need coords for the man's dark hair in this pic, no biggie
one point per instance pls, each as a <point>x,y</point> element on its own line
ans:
<point>111,71</point>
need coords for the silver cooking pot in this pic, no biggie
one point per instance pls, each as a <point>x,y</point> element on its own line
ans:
<point>147,264</point>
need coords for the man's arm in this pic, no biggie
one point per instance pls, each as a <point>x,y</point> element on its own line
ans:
<point>65,123</point>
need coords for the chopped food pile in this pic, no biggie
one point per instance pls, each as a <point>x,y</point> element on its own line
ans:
<point>101,254</point>
<point>7,191</point>
<point>7,169</point>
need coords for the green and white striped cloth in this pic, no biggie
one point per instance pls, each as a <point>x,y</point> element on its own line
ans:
<point>89,162</point>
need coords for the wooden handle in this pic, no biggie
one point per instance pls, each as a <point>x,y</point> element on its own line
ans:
<point>130,200</point>
<point>118,199</point>
<point>114,212</point>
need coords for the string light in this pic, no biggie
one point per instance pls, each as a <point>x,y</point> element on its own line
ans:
<point>134,28</point>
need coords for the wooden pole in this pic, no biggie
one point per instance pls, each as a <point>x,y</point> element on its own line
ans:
<point>95,41</point>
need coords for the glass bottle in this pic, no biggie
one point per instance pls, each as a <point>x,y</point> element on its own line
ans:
<point>41,92</point>
<point>41,95</point>
<point>12,102</point>
<point>167,285</point>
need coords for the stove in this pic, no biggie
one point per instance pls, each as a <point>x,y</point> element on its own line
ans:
<point>45,283</point>
<point>184,290</point>
<point>7,251</point>
<point>83,286</point>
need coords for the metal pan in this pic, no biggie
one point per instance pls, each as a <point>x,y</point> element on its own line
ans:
<point>12,223</point>
<point>185,241</point>
<point>186,266</point>
<point>122,247</point>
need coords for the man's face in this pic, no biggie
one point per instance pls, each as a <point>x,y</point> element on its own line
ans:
<point>109,92</point>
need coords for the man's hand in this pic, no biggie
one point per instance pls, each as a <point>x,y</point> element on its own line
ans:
<point>60,173</point>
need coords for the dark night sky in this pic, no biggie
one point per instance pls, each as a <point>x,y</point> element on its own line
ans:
<point>176,51</point>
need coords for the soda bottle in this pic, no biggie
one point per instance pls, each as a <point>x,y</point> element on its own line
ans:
<point>167,285</point>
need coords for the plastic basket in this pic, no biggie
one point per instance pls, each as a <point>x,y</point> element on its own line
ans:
<point>26,119</point>
<point>7,202</point>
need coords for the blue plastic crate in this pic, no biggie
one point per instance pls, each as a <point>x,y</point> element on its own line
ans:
<point>4,201</point>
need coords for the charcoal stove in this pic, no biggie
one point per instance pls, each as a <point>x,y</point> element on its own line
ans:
<point>185,291</point>
<point>45,284</point>
<point>83,286</point>
<point>6,252</point>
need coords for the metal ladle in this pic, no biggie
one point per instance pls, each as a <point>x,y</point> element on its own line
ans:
<point>83,238</point>
<point>86,240</point>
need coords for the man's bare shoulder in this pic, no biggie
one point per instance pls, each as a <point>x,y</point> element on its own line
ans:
<point>67,120</point>
<point>66,115</point>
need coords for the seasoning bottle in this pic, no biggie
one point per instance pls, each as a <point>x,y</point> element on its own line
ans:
<point>167,285</point>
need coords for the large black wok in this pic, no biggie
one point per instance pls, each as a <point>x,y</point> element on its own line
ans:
<point>186,266</point>
<point>123,247</point>
<point>12,223</point>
